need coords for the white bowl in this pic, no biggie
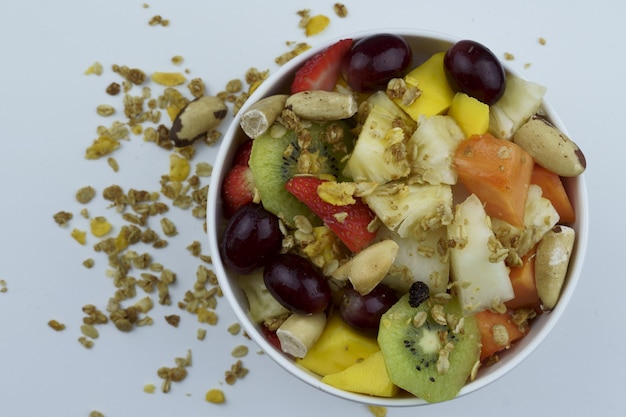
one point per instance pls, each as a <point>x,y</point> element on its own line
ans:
<point>424,44</point>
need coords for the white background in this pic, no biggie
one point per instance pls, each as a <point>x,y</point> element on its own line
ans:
<point>47,119</point>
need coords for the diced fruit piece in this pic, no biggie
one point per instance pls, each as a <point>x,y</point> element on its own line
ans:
<point>539,217</point>
<point>238,189</point>
<point>297,284</point>
<point>242,155</point>
<point>470,114</point>
<point>262,304</point>
<point>431,148</point>
<point>411,209</point>
<point>349,222</point>
<point>520,101</point>
<point>278,155</point>
<point>367,377</point>
<point>498,172</point>
<point>553,190</point>
<point>429,350</point>
<point>374,60</point>
<point>321,71</point>
<point>251,237</point>
<point>551,264</point>
<point>436,93</point>
<point>497,332</point>
<point>523,282</point>
<point>425,260</point>
<point>339,347</point>
<point>368,267</point>
<point>299,332</point>
<point>477,259</point>
<point>380,151</point>
<point>473,69</point>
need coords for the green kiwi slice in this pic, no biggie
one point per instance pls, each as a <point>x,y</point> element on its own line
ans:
<point>429,350</point>
<point>280,153</point>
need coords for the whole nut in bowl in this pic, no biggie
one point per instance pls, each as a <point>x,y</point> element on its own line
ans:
<point>398,218</point>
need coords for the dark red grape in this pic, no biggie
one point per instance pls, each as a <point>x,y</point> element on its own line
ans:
<point>297,284</point>
<point>251,237</point>
<point>364,311</point>
<point>374,60</point>
<point>473,69</point>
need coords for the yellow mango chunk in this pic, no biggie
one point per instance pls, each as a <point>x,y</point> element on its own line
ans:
<point>104,145</point>
<point>436,94</point>
<point>366,377</point>
<point>99,226</point>
<point>80,236</point>
<point>339,347</point>
<point>168,79</point>
<point>179,167</point>
<point>470,114</point>
<point>316,24</point>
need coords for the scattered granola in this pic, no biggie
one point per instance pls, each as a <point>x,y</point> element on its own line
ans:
<point>509,56</point>
<point>62,218</point>
<point>174,374</point>
<point>55,325</point>
<point>340,10</point>
<point>239,351</point>
<point>157,20</point>
<point>237,371</point>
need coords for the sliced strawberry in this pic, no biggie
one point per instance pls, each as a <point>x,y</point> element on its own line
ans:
<point>238,189</point>
<point>322,70</point>
<point>352,230</point>
<point>242,155</point>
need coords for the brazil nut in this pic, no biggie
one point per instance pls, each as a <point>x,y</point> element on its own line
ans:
<point>196,119</point>
<point>321,105</point>
<point>551,263</point>
<point>550,147</point>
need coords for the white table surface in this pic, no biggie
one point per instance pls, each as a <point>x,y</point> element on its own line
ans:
<point>47,119</point>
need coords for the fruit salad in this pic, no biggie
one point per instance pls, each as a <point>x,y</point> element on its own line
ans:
<point>397,223</point>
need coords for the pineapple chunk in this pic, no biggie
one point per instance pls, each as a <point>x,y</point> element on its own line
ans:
<point>263,305</point>
<point>338,347</point>
<point>477,259</point>
<point>411,209</point>
<point>367,377</point>
<point>431,150</point>
<point>471,115</point>
<point>424,260</point>
<point>540,216</point>
<point>436,94</point>
<point>380,152</point>
<point>520,101</point>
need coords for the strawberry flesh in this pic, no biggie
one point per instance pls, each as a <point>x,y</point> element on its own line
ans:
<point>353,230</point>
<point>321,71</point>
<point>242,154</point>
<point>237,189</point>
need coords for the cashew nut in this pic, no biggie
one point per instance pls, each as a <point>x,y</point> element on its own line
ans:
<point>550,147</point>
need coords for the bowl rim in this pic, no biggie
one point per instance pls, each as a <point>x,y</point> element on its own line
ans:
<point>214,216</point>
